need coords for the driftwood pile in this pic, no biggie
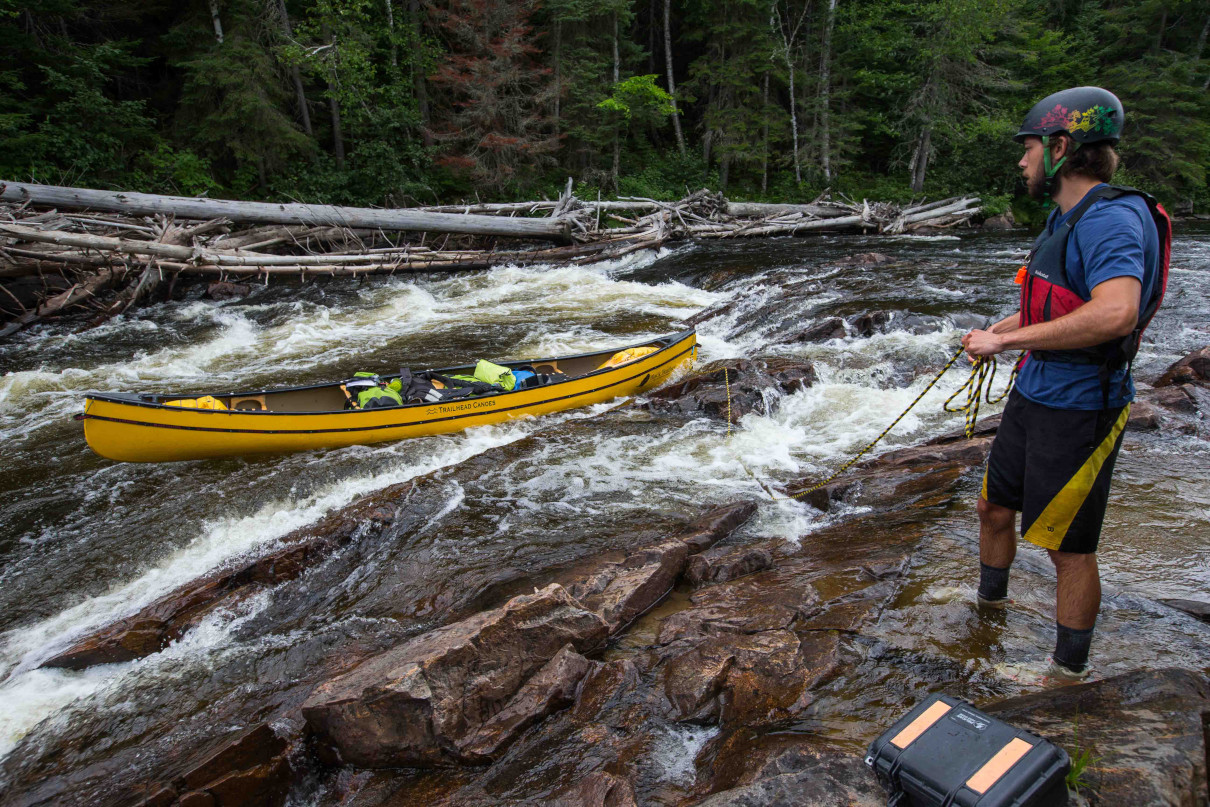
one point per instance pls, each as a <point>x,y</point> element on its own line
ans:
<point>127,247</point>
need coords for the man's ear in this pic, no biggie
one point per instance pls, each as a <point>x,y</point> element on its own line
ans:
<point>1060,147</point>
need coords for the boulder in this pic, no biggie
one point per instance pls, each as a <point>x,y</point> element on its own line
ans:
<point>717,524</point>
<point>822,331</point>
<point>1175,398</point>
<point>224,290</point>
<point>721,564</point>
<point>419,703</point>
<point>866,325</point>
<point>1143,417</point>
<point>733,386</point>
<point>1004,221</point>
<point>552,688</point>
<point>1146,731</point>
<point>619,592</point>
<point>1193,369</point>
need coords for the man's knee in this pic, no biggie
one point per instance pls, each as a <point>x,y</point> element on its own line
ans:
<point>994,515</point>
<point>1073,561</point>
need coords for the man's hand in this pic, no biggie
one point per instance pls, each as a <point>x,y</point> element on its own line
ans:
<point>982,343</point>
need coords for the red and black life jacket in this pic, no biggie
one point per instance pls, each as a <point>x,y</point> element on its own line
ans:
<point>1046,292</point>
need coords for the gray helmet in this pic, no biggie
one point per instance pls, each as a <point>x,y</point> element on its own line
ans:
<point>1087,114</point>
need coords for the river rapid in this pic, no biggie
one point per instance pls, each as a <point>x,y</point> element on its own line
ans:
<point>84,541</point>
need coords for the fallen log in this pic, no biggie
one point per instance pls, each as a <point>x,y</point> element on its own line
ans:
<point>144,204</point>
<point>761,210</point>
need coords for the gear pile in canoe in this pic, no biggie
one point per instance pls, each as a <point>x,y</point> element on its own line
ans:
<point>141,427</point>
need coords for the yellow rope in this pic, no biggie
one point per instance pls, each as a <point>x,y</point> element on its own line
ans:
<point>982,373</point>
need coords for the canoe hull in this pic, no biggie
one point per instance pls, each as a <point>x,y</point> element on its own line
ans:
<point>131,431</point>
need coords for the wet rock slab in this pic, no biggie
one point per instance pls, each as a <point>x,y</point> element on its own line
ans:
<point>779,770</point>
<point>429,701</point>
<point>1146,730</point>
<point>154,627</point>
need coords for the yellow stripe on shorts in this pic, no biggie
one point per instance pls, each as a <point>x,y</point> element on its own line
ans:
<point>1051,526</point>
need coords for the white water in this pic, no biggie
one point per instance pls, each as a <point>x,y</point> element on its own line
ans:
<point>559,304</point>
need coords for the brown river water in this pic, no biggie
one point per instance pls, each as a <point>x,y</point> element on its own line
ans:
<point>84,540</point>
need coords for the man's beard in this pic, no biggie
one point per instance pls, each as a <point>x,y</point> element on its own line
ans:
<point>1035,186</point>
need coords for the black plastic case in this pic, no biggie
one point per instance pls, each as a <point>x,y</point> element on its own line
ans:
<point>946,752</point>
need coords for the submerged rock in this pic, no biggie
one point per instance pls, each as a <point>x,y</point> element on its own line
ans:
<point>1146,732</point>
<point>1195,608</point>
<point>425,702</point>
<point>865,259</point>
<point>168,618</point>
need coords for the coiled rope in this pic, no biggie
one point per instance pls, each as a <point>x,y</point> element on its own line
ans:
<point>983,373</point>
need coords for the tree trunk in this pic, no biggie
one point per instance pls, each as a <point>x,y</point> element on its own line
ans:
<point>920,158</point>
<point>391,32</point>
<point>617,134</point>
<point>1201,40</point>
<point>304,114</point>
<point>421,89</point>
<point>676,115</point>
<point>218,23</point>
<point>825,77</point>
<point>558,72</point>
<point>764,157</point>
<point>147,204</point>
<point>1159,37</point>
<point>338,141</point>
<point>794,119</point>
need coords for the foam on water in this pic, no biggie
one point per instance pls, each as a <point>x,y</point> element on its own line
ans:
<point>676,751</point>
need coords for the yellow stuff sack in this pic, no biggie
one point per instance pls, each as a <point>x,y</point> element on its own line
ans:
<point>205,402</point>
<point>627,356</point>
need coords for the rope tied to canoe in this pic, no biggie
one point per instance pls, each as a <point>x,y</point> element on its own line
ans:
<point>978,387</point>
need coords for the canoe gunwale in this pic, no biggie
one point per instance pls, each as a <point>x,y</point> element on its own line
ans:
<point>671,359</point>
<point>135,399</point>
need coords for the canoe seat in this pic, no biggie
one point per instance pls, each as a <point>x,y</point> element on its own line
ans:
<point>547,367</point>
<point>254,403</point>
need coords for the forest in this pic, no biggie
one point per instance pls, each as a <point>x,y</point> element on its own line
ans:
<point>417,102</point>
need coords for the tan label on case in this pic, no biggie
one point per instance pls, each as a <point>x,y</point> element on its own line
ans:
<point>920,725</point>
<point>998,765</point>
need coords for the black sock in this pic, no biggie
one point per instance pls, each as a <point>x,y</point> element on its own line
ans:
<point>993,582</point>
<point>1071,646</point>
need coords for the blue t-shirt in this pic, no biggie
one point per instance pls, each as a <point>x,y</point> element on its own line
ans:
<point>1115,238</point>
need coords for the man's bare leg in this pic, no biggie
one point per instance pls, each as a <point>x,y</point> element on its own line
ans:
<point>997,548</point>
<point>1079,590</point>
<point>1078,601</point>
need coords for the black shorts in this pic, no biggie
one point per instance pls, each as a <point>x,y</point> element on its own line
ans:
<point>1054,465</point>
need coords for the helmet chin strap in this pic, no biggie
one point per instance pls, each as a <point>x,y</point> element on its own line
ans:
<point>1052,170</point>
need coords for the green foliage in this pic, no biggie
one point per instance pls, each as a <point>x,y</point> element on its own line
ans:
<point>444,99</point>
<point>1081,761</point>
<point>638,100</point>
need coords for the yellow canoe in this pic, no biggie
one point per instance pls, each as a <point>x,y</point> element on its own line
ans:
<point>131,427</point>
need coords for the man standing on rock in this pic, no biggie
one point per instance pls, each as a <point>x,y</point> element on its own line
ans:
<point>1092,282</point>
